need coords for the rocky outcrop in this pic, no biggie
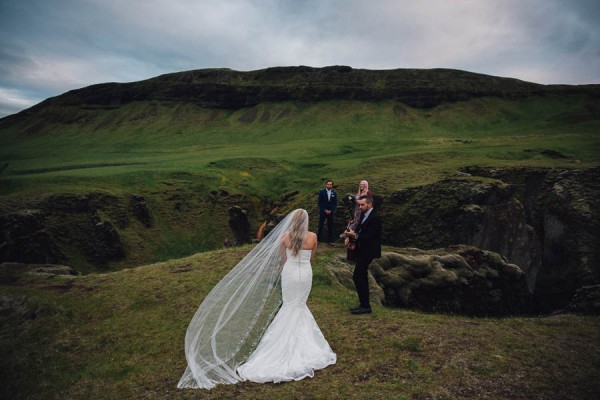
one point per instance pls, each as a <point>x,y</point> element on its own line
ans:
<point>60,226</point>
<point>75,222</point>
<point>586,301</point>
<point>459,280</point>
<point>52,270</point>
<point>562,207</point>
<point>460,211</point>
<point>11,272</point>
<point>103,243</point>
<point>546,221</point>
<point>140,209</point>
<point>238,222</point>
<point>24,238</point>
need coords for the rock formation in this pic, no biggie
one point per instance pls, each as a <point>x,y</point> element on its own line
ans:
<point>462,280</point>
<point>57,226</point>
<point>458,280</point>
<point>563,208</point>
<point>140,209</point>
<point>545,221</point>
<point>238,222</point>
<point>460,211</point>
<point>586,301</point>
<point>24,238</point>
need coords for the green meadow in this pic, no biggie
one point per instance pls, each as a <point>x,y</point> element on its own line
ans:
<point>291,146</point>
<point>120,336</point>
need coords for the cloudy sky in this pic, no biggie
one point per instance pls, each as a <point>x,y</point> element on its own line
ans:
<point>48,47</point>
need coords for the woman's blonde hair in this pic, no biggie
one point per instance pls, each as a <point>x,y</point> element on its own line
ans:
<point>366,187</point>
<point>297,230</point>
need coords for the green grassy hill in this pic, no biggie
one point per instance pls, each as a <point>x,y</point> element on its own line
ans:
<point>127,145</point>
<point>131,135</point>
<point>121,334</point>
<point>166,151</point>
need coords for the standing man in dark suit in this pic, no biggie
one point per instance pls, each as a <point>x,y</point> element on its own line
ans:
<point>327,205</point>
<point>368,247</point>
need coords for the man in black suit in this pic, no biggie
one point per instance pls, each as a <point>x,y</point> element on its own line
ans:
<point>368,247</point>
<point>327,205</point>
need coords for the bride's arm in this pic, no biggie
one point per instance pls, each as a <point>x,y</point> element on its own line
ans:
<point>282,245</point>
<point>314,245</point>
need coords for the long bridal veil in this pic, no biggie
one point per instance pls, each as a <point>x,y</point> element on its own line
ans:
<point>233,317</point>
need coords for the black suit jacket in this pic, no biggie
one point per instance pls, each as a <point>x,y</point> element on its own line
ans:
<point>325,203</point>
<point>368,245</point>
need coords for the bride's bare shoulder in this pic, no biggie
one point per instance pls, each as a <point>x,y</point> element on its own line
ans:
<point>310,238</point>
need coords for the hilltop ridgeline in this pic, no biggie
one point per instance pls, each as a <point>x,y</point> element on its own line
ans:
<point>229,89</point>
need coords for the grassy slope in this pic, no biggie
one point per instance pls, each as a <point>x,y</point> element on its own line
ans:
<point>162,150</point>
<point>138,144</point>
<point>120,335</point>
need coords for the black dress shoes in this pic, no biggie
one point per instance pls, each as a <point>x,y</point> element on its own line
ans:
<point>355,308</point>
<point>361,310</point>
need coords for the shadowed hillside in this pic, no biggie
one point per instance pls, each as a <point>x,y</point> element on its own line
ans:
<point>228,89</point>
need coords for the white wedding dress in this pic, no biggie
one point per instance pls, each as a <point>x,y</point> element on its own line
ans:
<point>293,346</point>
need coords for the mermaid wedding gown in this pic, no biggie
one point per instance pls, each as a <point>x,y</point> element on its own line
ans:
<point>293,346</point>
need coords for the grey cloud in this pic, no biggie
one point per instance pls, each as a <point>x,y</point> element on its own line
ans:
<point>47,48</point>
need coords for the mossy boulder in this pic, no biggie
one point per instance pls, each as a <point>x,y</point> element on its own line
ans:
<point>459,280</point>
<point>341,272</point>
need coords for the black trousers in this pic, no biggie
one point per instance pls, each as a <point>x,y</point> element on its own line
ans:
<point>322,218</point>
<point>361,281</point>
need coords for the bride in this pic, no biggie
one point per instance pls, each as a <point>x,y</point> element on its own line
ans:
<point>254,325</point>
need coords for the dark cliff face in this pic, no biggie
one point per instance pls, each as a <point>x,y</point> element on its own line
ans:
<point>98,231</point>
<point>228,89</point>
<point>52,228</point>
<point>544,220</point>
<point>460,211</point>
<point>562,208</point>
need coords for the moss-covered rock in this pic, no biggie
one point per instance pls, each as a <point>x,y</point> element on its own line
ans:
<point>459,280</point>
<point>341,272</point>
<point>463,211</point>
